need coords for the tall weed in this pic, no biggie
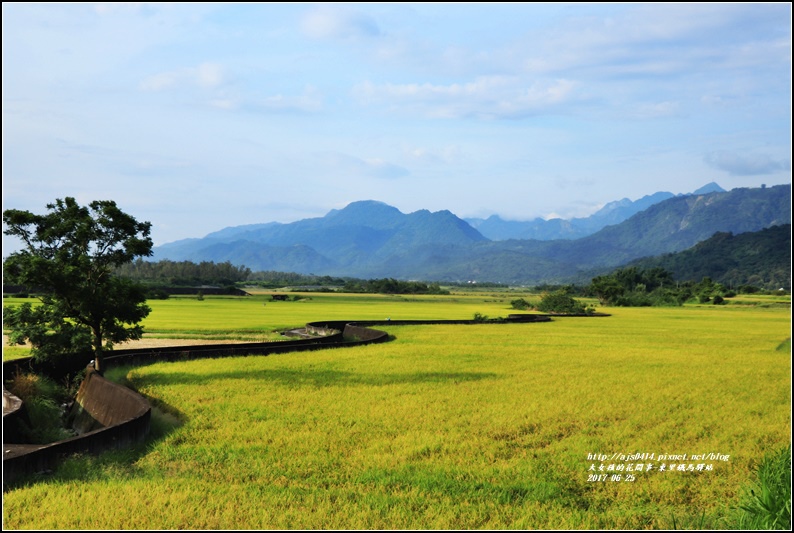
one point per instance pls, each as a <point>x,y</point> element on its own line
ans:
<point>42,399</point>
<point>767,503</point>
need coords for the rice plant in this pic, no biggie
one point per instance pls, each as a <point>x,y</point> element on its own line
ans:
<point>482,426</point>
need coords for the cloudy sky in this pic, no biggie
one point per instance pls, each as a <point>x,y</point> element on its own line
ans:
<point>197,116</point>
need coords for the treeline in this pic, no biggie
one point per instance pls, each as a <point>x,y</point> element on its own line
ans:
<point>274,279</point>
<point>637,287</point>
<point>183,273</point>
<point>375,286</point>
<point>166,273</point>
<point>392,286</point>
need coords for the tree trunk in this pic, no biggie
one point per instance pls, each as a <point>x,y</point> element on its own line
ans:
<point>98,363</point>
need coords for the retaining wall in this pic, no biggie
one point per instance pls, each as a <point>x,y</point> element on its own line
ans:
<point>108,415</point>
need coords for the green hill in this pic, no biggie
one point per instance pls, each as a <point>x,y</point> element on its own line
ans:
<point>759,258</point>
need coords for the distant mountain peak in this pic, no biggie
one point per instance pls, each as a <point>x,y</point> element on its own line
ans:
<point>612,206</point>
<point>366,212</point>
<point>360,204</point>
<point>364,206</point>
<point>709,188</point>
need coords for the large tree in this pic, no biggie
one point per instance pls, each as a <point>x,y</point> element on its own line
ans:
<point>68,258</point>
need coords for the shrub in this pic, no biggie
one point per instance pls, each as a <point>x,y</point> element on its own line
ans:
<point>767,504</point>
<point>520,304</point>
<point>662,297</point>
<point>46,421</point>
<point>634,299</point>
<point>562,302</point>
<point>479,317</point>
<point>157,294</point>
<point>748,289</point>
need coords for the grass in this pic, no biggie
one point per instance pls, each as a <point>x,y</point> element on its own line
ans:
<point>15,352</point>
<point>767,503</point>
<point>448,427</point>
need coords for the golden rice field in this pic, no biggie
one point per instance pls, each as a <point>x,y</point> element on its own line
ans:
<point>488,426</point>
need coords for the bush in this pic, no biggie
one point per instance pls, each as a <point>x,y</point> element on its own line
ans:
<point>46,421</point>
<point>662,297</point>
<point>767,504</point>
<point>748,289</point>
<point>561,302</point>
<point>479,317</point>
<point>520,304</point>
<point>157,294</point>
<point>634,299</point>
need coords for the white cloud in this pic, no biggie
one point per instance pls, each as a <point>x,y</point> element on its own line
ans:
<point>309,101</point>
<point>337,164</point>
<point>660,39</point>
<point>209,75</point>
<point>383,169</point>
<point>126,8</point>
<point>656,110</point>
<point>738,164</point>
<point>338,22</point>
<point>205,75</point>
<point>226,104</point>
<point>432,156</point>
<point>485,97</point>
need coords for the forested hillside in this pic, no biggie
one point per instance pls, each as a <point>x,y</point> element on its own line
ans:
<point>760,258</point>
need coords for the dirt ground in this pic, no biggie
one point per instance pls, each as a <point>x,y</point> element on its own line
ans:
<point>159,343</point>
<point>5,341</point>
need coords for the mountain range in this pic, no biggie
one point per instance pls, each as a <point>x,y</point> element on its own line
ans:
<point>370,239</point>
<point>497,229</point>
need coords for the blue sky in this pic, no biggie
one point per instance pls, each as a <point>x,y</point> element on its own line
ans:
<point>197,116</point>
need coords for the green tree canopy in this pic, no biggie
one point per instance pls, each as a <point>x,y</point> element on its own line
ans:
<point>68,258</point>
<point>561,301</point>
<point>637,287</point>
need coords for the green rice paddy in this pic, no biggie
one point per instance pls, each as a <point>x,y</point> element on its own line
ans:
<point>487,426</point>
